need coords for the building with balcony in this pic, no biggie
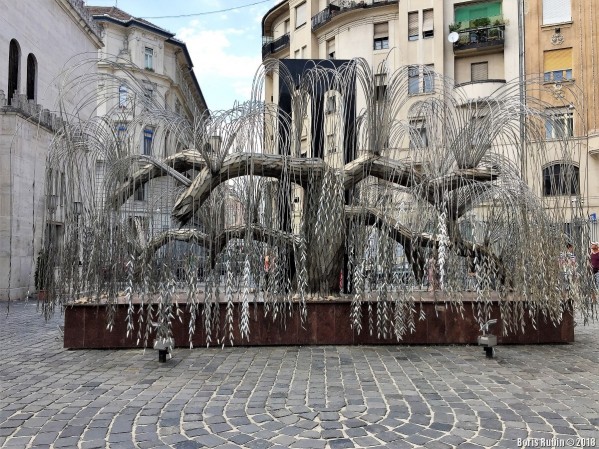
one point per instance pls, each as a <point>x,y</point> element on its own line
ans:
<point>29,92</point>
<point>467,41</point>
<point>483,53</point>
<point>561,49</point>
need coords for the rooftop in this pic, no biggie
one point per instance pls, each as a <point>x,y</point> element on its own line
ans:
<point>118,14</point>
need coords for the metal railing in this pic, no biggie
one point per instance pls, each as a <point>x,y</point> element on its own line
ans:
<point>491,36</point>
<point>270,45</point>
<point>337,7</point>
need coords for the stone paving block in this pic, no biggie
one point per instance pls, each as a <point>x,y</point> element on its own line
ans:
<point>210,440</point>
<point>292,396</point>
<point>342,443</point>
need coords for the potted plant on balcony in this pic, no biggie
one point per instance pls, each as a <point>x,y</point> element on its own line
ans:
<point>481,22</point>
<point>41,275</point>
<point>455,27</point>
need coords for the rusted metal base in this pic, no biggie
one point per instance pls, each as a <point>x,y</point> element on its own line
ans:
<point>327,323</point>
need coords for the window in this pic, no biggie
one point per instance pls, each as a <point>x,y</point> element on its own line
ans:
<point>286,27</point>
<point>296,54</point>
<point>561,179</point>
<point>148,95</point>
<point>557,65</point>
<point>559,123</point>
<point>428,78</point>
<point>31,76</point>
<point>427,23</point>
<point>301,15</point>
<point>421,81</point>
<point>149,58</point>
<point>147,143</point>
<point>556,11</point>
<point>122,96</point>
<point>479,71</point>
<point>381,36</point>
<point>413,26</point>
<point>140,193</point>
<point>413,80</point>
<point>418,135</point>
<point>331,49</point>
<point>121,132</point>
<point>304,51</point>
<point>14,61</point>
<point>380,88</point>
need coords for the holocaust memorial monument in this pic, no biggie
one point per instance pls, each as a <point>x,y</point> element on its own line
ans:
<point>348,212</point>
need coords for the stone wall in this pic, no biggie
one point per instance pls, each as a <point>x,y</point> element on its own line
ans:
<point>64,41</point>
<point>26,131</point>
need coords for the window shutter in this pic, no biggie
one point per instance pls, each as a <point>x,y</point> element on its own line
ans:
<point>330,46</point>
<point>381,30</point>
<point>301,14</point>
<point>479,71</point>
<point>413,23</point>
<point>427,22</point>
<point>556,11</point>
<point>557,60</point>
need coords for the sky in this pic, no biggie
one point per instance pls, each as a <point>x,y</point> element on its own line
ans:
<point>226,46</point>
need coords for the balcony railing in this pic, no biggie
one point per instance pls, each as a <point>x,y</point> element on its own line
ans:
<point>270,45</point>
<point>480,38</point>
<point>337,7</point>
<point>557,76</point>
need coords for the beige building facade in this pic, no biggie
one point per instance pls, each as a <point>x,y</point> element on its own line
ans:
<point>481,45</point>
<point>144,66</point>
<point>562,44</point>
<point>474,43</point>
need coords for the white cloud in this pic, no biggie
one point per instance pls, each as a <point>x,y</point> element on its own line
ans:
<point>226,51</point>
<point>223,62</point>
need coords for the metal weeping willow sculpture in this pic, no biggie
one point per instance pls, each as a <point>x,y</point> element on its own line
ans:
<point>259,204</point>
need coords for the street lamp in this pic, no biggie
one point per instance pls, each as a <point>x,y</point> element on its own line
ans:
<point>77,209</point>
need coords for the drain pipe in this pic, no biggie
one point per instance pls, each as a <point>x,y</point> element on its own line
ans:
<point>522,77</point>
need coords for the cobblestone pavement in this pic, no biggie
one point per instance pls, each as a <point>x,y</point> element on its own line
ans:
<point>290,397</point>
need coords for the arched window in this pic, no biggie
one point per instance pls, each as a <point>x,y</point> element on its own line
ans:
<point>561,179</point>
<point>31,76</point>
<point>14,60</point>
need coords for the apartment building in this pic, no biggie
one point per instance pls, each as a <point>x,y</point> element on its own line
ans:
<point>401,33</point>
<point>30,79</point>
<point>561,51</point>
<point>475,43</point>
<point>144,67</point>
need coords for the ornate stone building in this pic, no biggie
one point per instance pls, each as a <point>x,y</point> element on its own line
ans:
<point>38,39</point>
<point>561,51</point>
<point>144,64</point>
